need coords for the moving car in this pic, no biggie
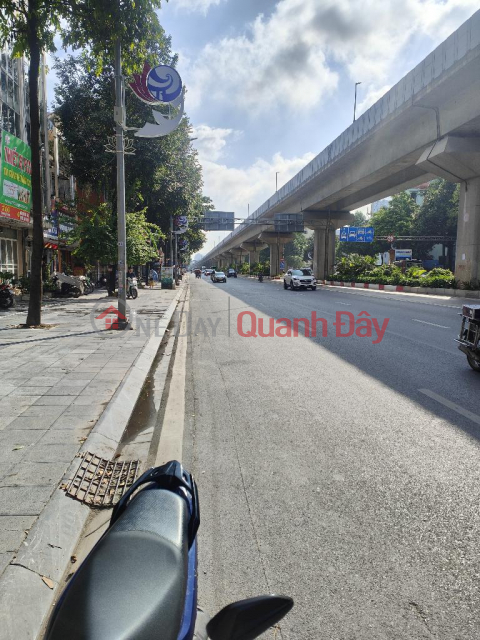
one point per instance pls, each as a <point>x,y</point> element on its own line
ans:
<point>219,276</point>
<point>231,273</point>
<point>299,279</point>
<point>208,272</point>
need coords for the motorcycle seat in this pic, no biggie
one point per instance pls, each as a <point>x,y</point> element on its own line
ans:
<point>132,585</point>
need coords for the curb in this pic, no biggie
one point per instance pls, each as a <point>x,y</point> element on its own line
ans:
<point>25,599</point>
<point>452,293</point>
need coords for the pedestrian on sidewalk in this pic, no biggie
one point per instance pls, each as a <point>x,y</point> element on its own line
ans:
<point>152,278</point>
<point>111,280</point>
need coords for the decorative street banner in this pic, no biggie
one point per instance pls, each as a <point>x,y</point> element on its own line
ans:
<point>182,245</point>
<point>15,178</point>
<point>181,222</point>
<point>160,85</point>
<point>357,234</point>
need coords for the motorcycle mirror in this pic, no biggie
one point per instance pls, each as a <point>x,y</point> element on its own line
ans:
<point>247,619</point>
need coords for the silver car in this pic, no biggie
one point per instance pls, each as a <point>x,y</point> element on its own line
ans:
<point>219,276</point>
<point>299,279</point>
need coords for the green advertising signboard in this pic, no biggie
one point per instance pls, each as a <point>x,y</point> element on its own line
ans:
<point>15,178</point>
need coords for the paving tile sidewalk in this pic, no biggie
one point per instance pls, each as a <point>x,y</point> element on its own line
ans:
<point>56,384</point>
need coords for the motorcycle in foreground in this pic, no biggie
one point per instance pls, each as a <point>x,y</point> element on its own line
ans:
<point>7,298</point>
<point>132,288</point>
<point>140,580</point>
<point>468,339</point>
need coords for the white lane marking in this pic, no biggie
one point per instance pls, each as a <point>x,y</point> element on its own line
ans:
<point>432,324</point>
<point>347,304</point>
<point>451,405</point>
<point>371,293</point>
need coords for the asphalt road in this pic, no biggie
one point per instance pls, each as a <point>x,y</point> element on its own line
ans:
<point>338,471</point>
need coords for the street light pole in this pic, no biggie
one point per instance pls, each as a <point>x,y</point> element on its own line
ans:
<point>355,103</point>
<point>276,180</point>
<point>121,224</point>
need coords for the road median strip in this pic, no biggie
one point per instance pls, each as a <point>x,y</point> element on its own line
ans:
<point>452,293</point>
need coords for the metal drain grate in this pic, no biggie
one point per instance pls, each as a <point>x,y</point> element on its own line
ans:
<point>101,483</point>
<point>151,312</point>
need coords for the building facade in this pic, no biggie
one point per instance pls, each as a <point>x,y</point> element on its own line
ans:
<point>15,233</point>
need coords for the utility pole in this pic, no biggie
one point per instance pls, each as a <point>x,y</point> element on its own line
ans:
<point>46,148</point>
<point>276,180</point>
<point>120,152</point>
<point>355,103</point>
<point>176,259</point>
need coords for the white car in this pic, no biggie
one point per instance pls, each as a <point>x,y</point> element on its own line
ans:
<point>299,279</point>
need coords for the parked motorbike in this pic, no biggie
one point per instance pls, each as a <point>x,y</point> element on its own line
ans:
<point>140,579</point>
<point>69,285</point>
<point>87,285</point>
<point>132,288</point>
<point>7,298</point>
<point>102,282</point>
<point>260,277</point>
<point>469,337</point>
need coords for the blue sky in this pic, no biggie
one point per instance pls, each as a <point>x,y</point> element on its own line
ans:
<point>271,82</point>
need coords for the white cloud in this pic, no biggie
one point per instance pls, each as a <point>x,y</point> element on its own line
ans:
<point>211,141</point>
<point>293,58</point>
<point>201,6</point>
<point>233,189</point>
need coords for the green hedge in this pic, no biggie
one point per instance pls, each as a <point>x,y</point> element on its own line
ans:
<point>390,274</point>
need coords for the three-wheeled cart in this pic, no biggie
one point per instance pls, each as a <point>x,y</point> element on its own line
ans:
<point>469,337</point>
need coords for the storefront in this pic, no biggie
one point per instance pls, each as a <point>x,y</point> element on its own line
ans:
<point>10,251</point>
<point>15,203</point>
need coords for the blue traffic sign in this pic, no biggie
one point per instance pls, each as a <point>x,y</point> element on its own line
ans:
<point>357,234</point>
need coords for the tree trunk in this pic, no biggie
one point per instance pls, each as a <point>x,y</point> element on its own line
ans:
<point>35,303</point>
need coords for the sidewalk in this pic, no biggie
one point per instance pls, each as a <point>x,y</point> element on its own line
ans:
<point>57,383</point>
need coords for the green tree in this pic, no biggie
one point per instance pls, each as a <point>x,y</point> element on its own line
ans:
<point>32,25</point>
<point>396,219</point>
<point>438,216</point>
<point>163,176</point>
<point>296,252</point>
<point>95,237</point>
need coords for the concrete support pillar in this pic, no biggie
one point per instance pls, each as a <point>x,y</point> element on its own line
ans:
<point>324,225</point>
<point>276,242</point>
<point>457,159</point>
<point>237,256</point>
<point>253,249</point>
<point>323,251</point>
<point>467,263</point>
<point>275,258</point>
<point>254,256</point>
